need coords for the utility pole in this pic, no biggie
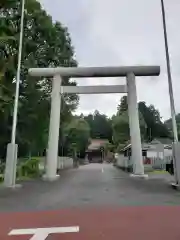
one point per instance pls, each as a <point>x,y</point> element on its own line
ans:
<point>172,105</point>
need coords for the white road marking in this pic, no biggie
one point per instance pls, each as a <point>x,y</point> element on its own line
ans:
<point>102,170</point>
<point>40,236</point>
<point>43,233</point>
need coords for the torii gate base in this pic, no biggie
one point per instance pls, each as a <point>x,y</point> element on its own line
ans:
<point>57,90</point>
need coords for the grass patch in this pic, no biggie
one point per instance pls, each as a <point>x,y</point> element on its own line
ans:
<point>159,171</point>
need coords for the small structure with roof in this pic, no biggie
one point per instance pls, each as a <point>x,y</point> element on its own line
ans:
<point>155,151</point>
<point>96,150</point>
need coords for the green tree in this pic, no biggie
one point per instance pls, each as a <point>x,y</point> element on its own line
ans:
<point>155,127</point>
<point>168,124</point>
<point>76,135</point>
<point>120,125</point>
<point>123,106</point>
<point>121,130</point>
<point>100,125</point>
<point>45,44</point>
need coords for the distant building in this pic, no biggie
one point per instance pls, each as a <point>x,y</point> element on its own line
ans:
<point>165,144</point>
<point>95,151</point>
<point>155,153</point>
<point>160,147</point>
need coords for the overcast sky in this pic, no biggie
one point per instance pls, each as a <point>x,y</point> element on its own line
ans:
<point>122,32</point>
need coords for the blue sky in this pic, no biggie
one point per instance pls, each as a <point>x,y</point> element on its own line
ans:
<point>122,32</point>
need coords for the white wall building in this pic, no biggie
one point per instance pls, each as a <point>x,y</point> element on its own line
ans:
<point>156,153</point>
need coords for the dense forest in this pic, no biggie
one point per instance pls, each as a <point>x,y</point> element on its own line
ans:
<point>48,44</point>
<point>116,128</point>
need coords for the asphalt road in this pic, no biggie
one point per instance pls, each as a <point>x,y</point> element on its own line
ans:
<point>97,201</point>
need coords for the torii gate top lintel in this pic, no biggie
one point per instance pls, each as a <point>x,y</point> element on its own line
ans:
<point>81,72</point>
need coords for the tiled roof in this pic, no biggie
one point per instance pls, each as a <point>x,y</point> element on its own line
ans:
<point>96,143</point>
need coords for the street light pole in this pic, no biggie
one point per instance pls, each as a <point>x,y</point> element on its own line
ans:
<point>172,105</point>
<point>13,136</point>
<point>11,157</point>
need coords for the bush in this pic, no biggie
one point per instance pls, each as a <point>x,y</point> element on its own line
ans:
<point>27,169</point>
<point>30,168</point>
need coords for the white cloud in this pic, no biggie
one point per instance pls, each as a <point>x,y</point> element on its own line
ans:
<point>119,32</point>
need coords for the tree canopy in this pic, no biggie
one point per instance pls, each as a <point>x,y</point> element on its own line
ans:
<point>168,124</point>
<point>151,125</point>
<point>76,136</point>
<point>100,125</point>
<point>45,44</point>
<point>155,127</point>
<point>123,105</point>
<point>116,129</point>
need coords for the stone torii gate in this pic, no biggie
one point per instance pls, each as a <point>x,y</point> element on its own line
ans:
<point>57,90</point>
<point>82,72</point>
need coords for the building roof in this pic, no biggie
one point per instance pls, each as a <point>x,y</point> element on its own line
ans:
<point>145,146</point>
<point>97,143</point>
<point>165,141</point>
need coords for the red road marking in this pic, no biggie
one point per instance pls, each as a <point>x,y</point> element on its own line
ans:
<point>131,223</point>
